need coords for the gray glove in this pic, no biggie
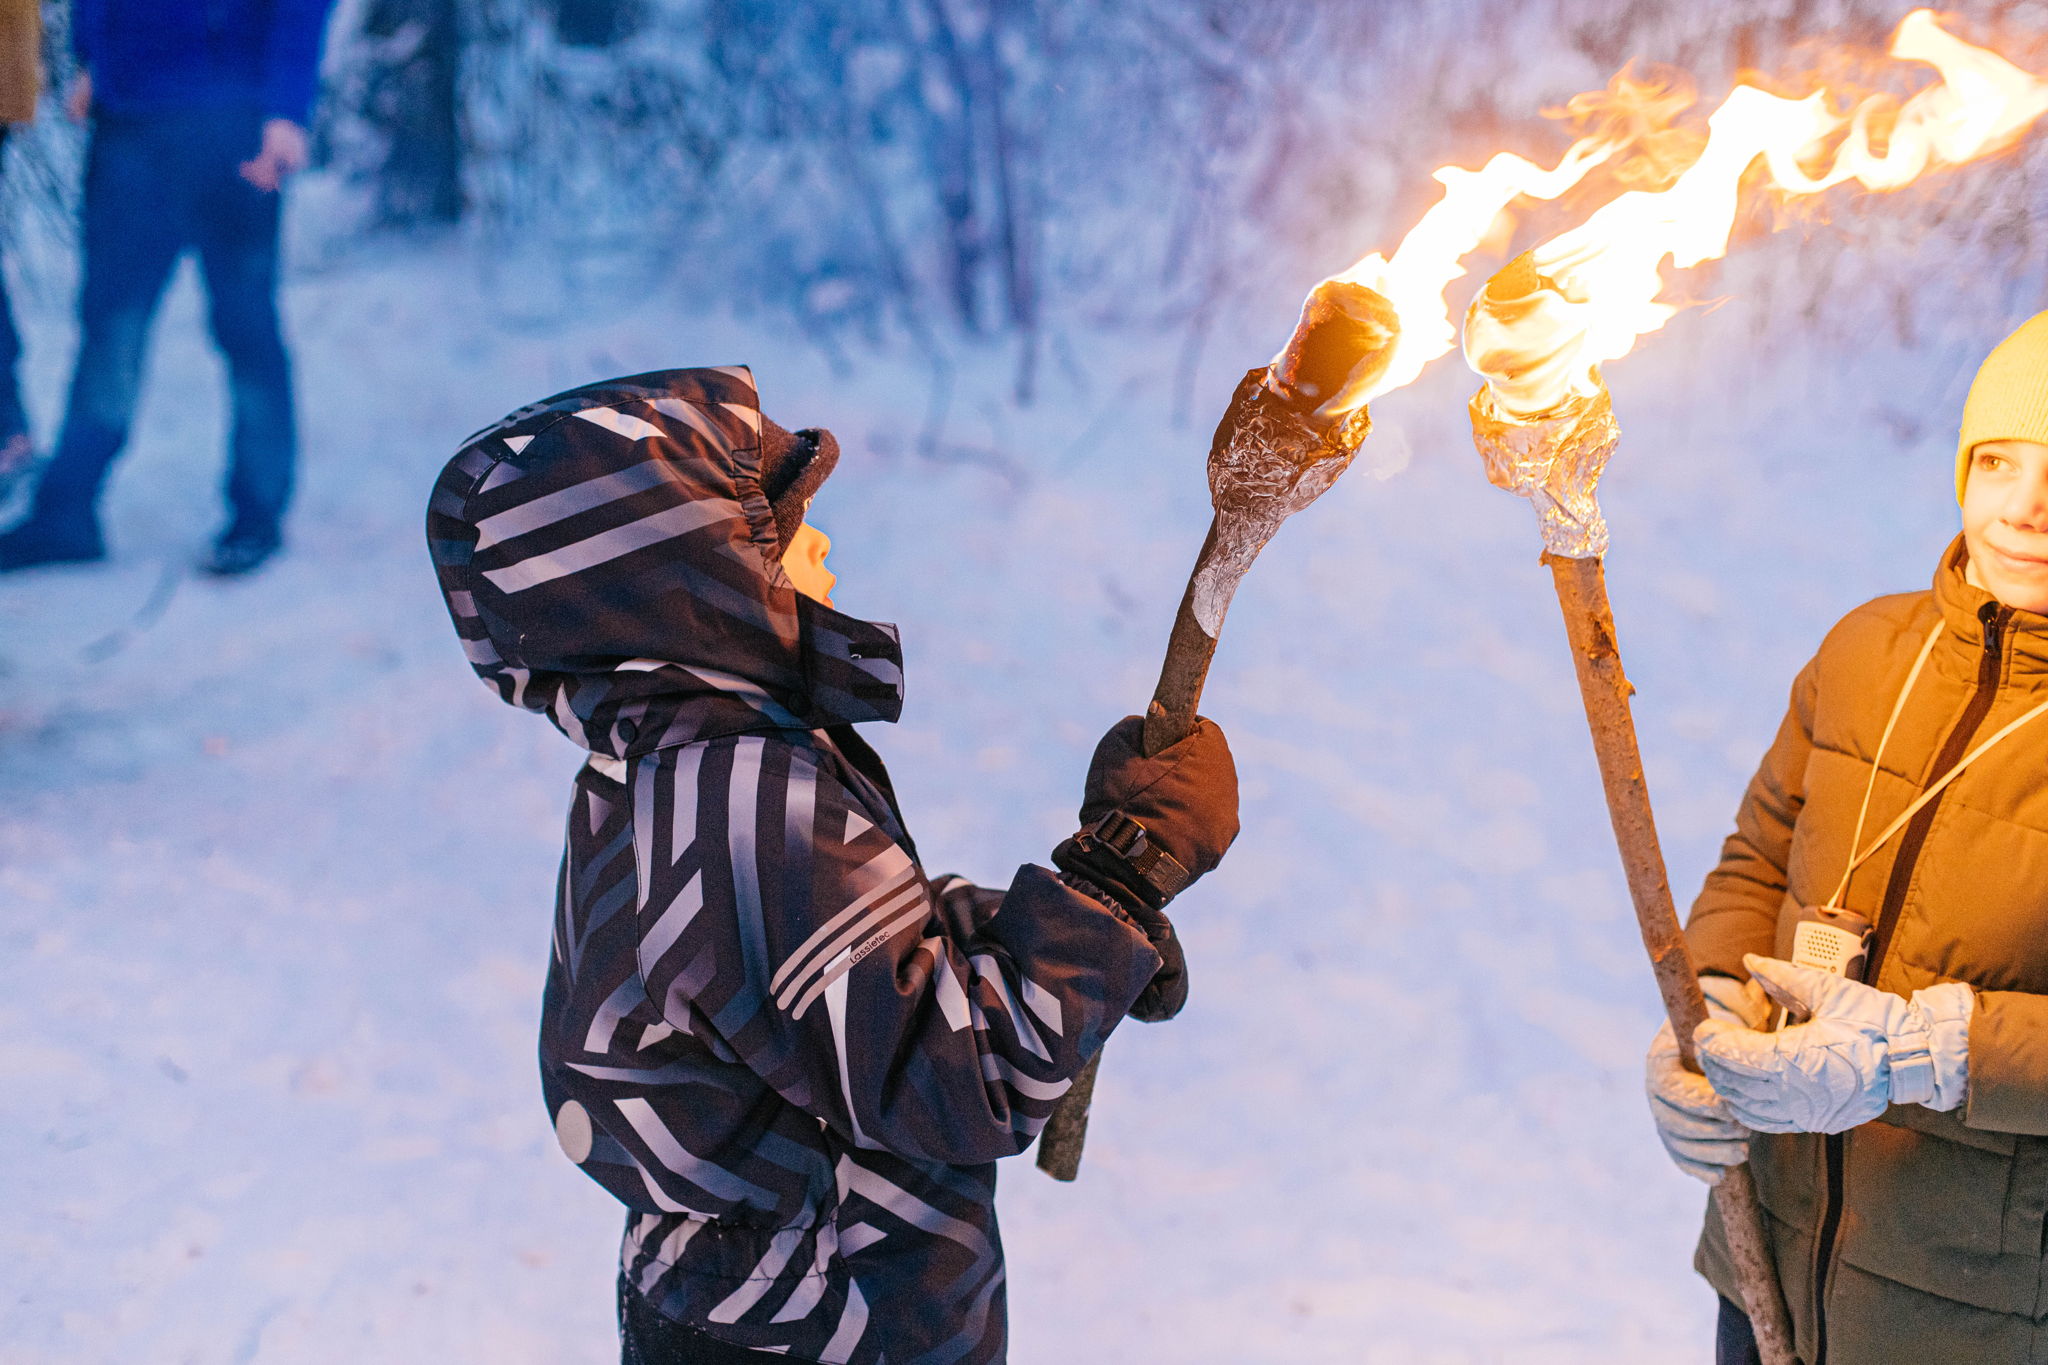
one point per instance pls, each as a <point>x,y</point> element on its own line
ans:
<point>1701,1135</point>
<point>1861,1051</point>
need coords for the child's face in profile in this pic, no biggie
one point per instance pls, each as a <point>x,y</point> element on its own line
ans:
<point>804,562</point>
<point>2005,522</point>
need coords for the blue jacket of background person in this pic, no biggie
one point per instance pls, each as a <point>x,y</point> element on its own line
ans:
<point>159,56</point>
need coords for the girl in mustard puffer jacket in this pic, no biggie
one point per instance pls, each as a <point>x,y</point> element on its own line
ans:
<point>1887,888</point>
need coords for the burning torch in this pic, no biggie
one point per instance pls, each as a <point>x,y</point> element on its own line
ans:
<point>1291,428</point>
<point>1545,425</point>
<point>1552,453</point>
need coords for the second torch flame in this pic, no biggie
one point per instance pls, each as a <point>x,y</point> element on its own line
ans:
<point>1587,295</point>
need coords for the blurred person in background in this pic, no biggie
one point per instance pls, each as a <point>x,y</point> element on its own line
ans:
<point>21,81</point>
<point>1896,1118</point>
<point>199,115</point>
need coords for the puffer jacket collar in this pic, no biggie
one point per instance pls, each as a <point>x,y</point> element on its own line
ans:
<point>1966,610</point>
<point>609,560</point>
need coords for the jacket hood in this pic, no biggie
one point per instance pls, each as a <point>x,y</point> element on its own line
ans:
<point>610,560</point>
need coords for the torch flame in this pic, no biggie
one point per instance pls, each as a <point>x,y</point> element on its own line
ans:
<point>1432,255</point>
<point>1981,106</point>
<point>1586,296</point>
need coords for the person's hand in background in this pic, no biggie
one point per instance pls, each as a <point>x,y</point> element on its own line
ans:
<point>284,154</point>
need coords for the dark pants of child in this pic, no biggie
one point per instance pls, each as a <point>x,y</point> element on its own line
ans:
<point>1734,1341</point>
<point>156,186</point>
<point>648,1338</point>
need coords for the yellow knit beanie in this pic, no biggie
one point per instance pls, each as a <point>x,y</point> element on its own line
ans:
<point>2009,399</point>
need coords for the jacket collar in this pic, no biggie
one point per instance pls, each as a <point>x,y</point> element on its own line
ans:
<point>1968,612</point>
<point>853,669</point>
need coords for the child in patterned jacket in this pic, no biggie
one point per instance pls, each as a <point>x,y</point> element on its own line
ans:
<point>792,1054</point>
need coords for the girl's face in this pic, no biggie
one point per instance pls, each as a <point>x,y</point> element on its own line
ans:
<point>804,562</point>
<point>2005,522</point>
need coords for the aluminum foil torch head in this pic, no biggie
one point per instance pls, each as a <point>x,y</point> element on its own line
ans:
<point>1291,428</point>
<point>1552,455</point>
<point>1287,434</point>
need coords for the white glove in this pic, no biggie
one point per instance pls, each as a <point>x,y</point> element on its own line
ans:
<point>1702,1137</point>
<point>1862,1050</point>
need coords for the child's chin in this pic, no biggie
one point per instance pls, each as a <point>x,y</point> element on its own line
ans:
<point>2026,591</point>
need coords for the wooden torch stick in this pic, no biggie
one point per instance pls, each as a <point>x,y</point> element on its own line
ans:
<point>1168,720</point>
<point>1171,716</point>
<point>1554,456</point>
<point>1589,621</point>
<point>1290,430</point>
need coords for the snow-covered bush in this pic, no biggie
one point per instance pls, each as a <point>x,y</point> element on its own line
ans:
<point>941,169</point>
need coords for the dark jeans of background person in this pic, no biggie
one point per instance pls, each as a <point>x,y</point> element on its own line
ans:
<point>648,1338</point>
<point>156,186</point>
<point>13,417</point>
<point>1734,1341</point>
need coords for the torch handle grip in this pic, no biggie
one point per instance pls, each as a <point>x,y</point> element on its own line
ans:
<point>1605,689</point>
<point>1168,720</point>
<point>1171,716</point>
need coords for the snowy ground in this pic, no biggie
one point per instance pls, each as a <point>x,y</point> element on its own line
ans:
<point>275,871</point>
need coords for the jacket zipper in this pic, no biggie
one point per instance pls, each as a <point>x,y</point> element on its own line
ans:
<point>1990,664</point>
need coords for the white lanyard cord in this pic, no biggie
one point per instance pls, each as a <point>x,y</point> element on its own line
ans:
<point>1920,802</point>
<point>1898,709</point>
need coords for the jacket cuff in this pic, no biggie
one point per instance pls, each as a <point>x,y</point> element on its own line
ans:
<point>1091,890</point>
<point>2008,1080</point>
<point>1083,949</point>
<point>1930,1057</point>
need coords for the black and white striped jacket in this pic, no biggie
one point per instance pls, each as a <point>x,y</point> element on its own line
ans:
<point>789,1052</point>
